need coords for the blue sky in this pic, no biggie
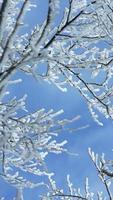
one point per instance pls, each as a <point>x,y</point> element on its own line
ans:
<point>43,95</point>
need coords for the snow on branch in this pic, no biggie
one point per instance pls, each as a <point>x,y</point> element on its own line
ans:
<point>77,38</point>
<point>78,52</point>
<point>26,141</point>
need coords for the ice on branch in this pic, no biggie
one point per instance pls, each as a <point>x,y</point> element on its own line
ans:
<point>80,43</point>
<point>26,141</point>
<point>78,52</point>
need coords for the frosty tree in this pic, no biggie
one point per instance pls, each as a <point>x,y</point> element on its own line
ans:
<point>77,52</point>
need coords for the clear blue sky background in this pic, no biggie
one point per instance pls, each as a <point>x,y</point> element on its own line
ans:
<point>43,95</point>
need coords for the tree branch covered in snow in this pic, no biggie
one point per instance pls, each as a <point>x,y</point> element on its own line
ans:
<point>76,39</point>
<point>105,174</point>
<point>78,52</point>
<point>26,141</point>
